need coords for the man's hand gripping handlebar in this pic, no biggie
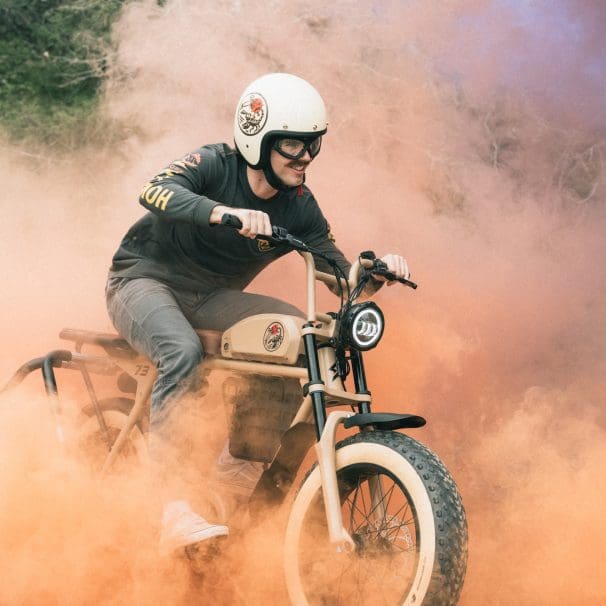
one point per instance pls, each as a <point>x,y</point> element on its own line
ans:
<point>281,236</point>
<point>379,268</point>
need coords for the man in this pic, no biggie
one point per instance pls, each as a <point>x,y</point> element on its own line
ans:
<point>178,269</point>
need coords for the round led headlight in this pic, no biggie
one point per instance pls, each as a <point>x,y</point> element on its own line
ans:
<point>364,325</point>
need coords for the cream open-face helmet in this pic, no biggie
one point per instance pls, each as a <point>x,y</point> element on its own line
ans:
<point>272,107</point>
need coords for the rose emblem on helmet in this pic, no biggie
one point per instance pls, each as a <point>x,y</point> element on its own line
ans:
<point>252,114</point>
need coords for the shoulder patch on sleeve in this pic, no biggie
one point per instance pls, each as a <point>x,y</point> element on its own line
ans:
<point>179,166</point>
<point>192,159</point>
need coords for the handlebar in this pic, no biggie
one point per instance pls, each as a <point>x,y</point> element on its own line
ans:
<point>281,236</point>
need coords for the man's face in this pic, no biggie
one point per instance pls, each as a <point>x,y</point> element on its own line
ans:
<point>290,172</point>
<point>290,157</point>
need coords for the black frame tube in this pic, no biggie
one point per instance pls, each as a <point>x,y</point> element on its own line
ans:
<point>313,370</point>
<point>53,359</point>
<point>359,375</point>
<point>22,372</point>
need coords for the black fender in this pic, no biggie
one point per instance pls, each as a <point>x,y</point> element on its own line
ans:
<point>384,420</point>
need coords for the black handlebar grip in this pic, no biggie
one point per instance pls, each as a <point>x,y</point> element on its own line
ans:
<point>231,221</point>
<point>381,268</point>
<point>279,234</point>
<point>393,278</point>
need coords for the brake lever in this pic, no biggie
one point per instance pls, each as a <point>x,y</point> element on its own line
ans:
<point>281,236</point>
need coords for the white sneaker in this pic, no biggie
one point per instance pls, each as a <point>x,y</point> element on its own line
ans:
<point>182,527</point>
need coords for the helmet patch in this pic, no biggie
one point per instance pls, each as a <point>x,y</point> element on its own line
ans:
<point>252,114</point>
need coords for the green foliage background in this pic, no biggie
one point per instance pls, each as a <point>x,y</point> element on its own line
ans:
<point>53,58</point>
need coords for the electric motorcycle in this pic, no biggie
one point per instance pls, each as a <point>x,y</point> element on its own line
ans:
<point>377,518</point>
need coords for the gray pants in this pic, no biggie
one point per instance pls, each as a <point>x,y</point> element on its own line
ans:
<point>159,322</point>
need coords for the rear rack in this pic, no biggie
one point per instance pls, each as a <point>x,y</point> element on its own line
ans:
<point>112,344</point>
<point>60,358</point>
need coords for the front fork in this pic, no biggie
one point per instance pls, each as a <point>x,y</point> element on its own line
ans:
<point>327,462</point>
<point>374,482</point>
<point>326,428</point>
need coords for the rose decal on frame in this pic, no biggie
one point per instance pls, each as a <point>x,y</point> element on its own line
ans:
<point>273,337</point>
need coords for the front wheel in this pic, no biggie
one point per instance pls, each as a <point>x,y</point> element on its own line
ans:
<point>405,516</point>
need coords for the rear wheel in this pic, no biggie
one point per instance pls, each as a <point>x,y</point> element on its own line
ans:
<point>94,444</point>
<point>405,516</point>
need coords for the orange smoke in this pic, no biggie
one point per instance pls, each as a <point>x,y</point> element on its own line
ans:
<point>437,148</point>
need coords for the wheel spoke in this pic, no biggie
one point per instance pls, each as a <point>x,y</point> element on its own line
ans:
<point>382,565</point>
<point>387,527</point>
<point>380,503</point>
<point>355,507</point>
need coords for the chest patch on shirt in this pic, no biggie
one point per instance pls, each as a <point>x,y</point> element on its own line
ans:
<point>264,246</point>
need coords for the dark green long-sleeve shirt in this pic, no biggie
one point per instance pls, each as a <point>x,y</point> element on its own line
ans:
<point>175,243</point>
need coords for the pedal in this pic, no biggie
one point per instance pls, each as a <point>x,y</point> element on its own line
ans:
<point>203,554</point>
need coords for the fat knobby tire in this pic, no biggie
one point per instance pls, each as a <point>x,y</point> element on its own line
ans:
<point>449,515</point>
